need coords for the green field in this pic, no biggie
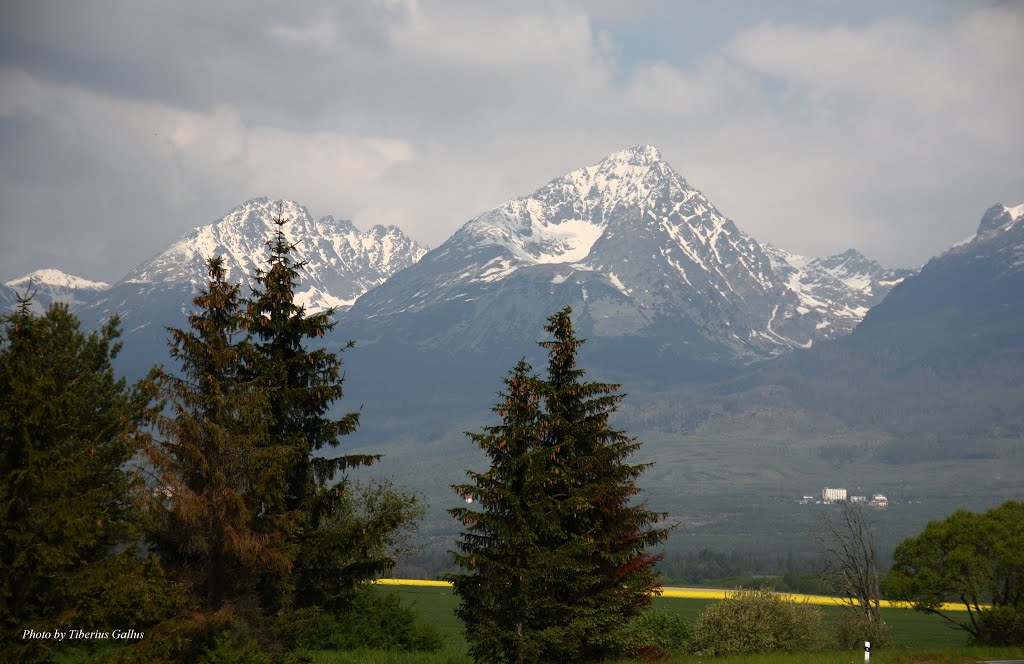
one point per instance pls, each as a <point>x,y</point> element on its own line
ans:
<point>909,628</point>
<point>917,637</point>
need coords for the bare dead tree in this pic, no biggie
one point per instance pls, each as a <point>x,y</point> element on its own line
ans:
<point>847,544</point>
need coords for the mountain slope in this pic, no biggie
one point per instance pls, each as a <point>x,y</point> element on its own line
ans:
<point>835,292</point>
<point>937,366</point>
<point>643,258</point>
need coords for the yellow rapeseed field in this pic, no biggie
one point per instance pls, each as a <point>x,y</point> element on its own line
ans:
<point>699,593</point>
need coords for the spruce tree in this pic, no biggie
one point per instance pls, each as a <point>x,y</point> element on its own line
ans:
<point>503,606</point>
<point>305,383</point>
<point>209,523</point>
<point>604,531</point>
<point>556,559</point>
<point>67,427</point>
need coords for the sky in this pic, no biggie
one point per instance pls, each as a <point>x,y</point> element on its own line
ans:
<point>815,126</point>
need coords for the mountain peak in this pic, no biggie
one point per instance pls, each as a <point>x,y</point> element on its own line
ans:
<point>56,278</point>
<point>999,217</point>
<point>636,155</point>
<point>50,285</point>
<point>561,221</point>
<point>342,262</point>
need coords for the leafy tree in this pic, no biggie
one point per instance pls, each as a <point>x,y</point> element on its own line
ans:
<point>67,427</point>
<point>556,559</point>
<point>367,527</point>
<point>973,559</point>
<point>207,523</point>
<point>304,384</point>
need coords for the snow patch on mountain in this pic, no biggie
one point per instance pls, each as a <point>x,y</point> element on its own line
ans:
<point>1015,212</point>
<point>618,283</point>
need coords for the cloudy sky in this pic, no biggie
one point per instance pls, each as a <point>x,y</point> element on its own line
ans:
<point>817,126</point>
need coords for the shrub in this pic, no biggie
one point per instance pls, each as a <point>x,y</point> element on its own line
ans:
<point>756,621</point>
<point>375,619</point>
<point>851,630</point>
<point>663,630</point>
<point>1000,626</point>
<point>236,645</point>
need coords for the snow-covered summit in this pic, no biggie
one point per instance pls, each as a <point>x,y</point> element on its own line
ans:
<point>562,221</point>
<point>51,277</point>
<point>996,220</point>
<point>51,285</point>
<point>636,250</point>
<point>999,218</point>
<point>342,262</point>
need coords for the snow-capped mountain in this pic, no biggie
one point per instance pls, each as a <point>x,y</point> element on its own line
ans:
<point>837,291</point>
<point>342,262</point>
<point>996,221</point>
<point>51,285</point>
<point>637,252</point>
<point>941,358</point>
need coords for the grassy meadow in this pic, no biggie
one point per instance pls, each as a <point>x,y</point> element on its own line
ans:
<point>917,637</point>
<point>910,629</point>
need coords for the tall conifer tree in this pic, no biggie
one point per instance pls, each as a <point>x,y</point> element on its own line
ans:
<point>604,531</point>
<point>556,559</point>
<point>304,383</point>
<point>67,427</point>
<point>209,524</point>
<point>504,612</point>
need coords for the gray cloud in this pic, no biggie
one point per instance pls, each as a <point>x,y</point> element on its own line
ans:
<point>123,127</point>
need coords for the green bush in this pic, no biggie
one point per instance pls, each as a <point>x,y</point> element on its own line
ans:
<point>756,621</point>
<point>1000,626</point>
<point>234,646</point>
<point>665,631</point>
<point>850,631</point>
<point>375,619</point>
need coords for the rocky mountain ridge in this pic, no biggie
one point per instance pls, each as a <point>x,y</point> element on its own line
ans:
<point>639,253</point>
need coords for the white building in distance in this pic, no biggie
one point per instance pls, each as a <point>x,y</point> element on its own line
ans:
<point>833,495</point>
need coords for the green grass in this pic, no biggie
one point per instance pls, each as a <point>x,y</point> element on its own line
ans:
<point>449,655</point>
<point>909,629</point>
<point>436,606</point>
<point>958,656</point>
<point>459,656</point>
